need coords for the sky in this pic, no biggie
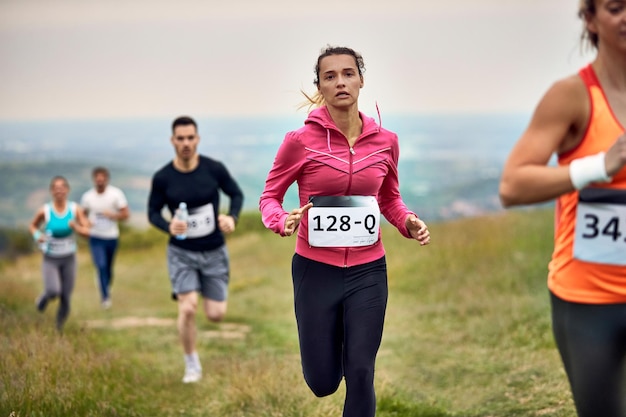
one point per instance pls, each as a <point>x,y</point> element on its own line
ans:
<point>111,59</point>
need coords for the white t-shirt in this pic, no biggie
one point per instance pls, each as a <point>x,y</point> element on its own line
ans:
<point>112,199</point>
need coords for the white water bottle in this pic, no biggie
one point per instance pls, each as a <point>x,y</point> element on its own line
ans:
<point>182,214</point>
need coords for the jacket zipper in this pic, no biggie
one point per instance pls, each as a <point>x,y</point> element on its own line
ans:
<point>352,153</point>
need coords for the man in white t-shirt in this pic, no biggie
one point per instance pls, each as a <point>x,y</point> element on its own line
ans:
<point>105,205</point>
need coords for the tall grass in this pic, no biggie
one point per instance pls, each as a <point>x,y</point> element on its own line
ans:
<point>467,332</point>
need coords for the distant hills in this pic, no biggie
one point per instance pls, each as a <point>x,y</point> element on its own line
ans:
<point>449,164</point>
<point>24,186</point>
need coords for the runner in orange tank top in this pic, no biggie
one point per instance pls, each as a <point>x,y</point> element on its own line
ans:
<point>581,119</point>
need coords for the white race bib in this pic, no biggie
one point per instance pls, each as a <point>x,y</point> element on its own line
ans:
<point>60,246</point>
<point>600,234</point>
<point>201,221</point>
<point>343,221</point>
<point>102,222</point>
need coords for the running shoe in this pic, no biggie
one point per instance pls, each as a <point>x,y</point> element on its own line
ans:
<point>41,302</point>
<point>192,375</point>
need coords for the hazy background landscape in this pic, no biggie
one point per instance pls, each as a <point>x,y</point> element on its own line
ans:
<point>449,165</point>
<point>92,82</point>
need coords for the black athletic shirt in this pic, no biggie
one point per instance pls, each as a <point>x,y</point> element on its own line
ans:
<point>196,188</point>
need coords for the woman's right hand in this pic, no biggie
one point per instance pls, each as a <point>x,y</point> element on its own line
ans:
<point>615,158</point>
<point>293,219</point>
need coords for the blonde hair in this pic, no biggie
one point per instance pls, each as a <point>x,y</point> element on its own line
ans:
<point>316,99</point>
<point>587,9</point>
<point>312,101</point>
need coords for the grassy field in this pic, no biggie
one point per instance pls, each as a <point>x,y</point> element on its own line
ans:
<point>467,332</point>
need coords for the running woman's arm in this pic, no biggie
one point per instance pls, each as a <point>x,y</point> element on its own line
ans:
<point>81,224</point>
<point>284,172</point>
<point>389,199</point>
<point>35,223</point>
<point>616,156</point>
<point>556,126</point>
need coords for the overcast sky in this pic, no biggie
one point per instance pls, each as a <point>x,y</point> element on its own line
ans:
<point>76,59</point>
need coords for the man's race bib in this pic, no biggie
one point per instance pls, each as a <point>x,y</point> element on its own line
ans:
<point>343,221</point>
<point>201,221</point>
<point>600,234</point>
<point>102,222</point>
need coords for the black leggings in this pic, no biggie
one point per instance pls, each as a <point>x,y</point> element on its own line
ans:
<point>340,314</point>
<point>592,342</point>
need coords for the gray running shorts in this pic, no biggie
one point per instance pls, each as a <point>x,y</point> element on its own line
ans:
<point>206,272</point>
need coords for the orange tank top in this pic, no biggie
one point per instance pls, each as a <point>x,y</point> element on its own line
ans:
<point>589,260</point>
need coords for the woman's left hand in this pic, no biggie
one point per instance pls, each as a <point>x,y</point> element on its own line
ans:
<point>80,229</point>
<point>418,229</point>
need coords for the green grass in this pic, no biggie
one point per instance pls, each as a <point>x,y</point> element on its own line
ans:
<point>467,332</point>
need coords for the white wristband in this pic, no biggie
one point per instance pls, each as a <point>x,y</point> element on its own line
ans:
<point>583,171</point>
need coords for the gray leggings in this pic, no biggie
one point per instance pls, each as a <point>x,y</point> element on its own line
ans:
<point>59,276</point>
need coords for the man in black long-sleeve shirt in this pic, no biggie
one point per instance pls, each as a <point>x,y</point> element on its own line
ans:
<point>199,262</point>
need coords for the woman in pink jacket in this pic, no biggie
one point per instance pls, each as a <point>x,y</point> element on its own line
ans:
<point>346,167</point>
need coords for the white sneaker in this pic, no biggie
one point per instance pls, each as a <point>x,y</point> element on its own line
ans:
<point>106,304</point>
<point>192,375</point>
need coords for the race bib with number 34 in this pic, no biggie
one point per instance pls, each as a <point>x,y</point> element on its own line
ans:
<point>600,234</point>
